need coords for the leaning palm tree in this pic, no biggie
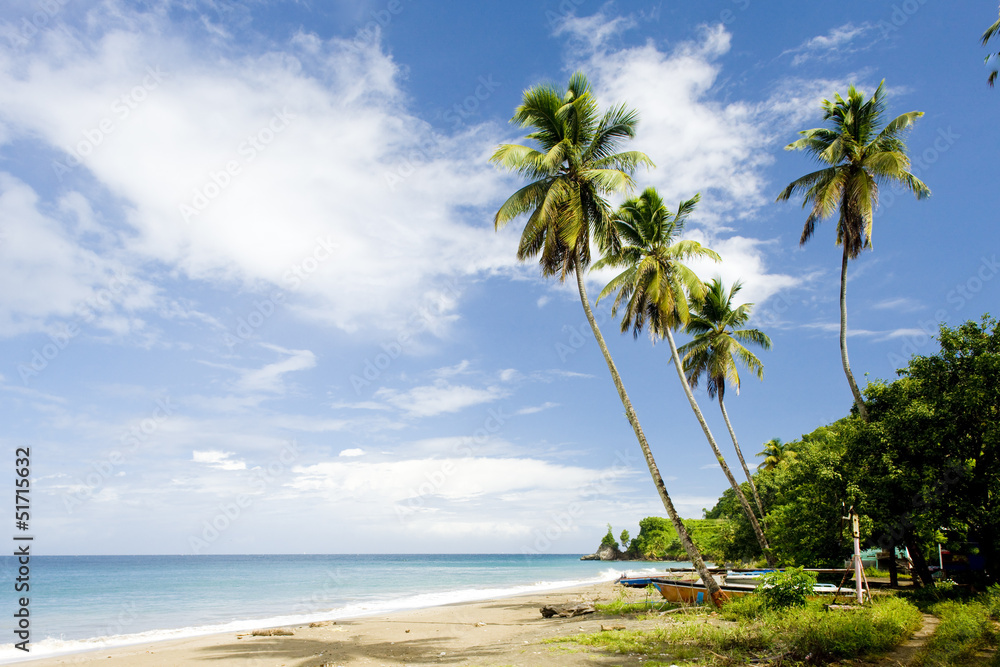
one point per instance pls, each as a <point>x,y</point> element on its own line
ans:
<point>654,287</point>
<point>717,346</point>
<point>861,158</point>
<point>575,163</point>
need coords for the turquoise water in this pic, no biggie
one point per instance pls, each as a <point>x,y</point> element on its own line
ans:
<point>81,603</point>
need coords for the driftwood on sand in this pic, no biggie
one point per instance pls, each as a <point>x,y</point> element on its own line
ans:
<point>567,611</point>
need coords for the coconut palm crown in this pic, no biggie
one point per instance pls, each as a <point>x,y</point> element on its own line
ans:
<point>655,283</point>
<point>575,164</point>
<point>719,342</point>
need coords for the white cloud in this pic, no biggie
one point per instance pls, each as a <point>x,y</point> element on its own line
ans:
<point>303,165</point>
<point>831,45</point>
<point>536,408</point>
<point>352,452</point>
<point>269,378</point>
<point>699,145</point>
<point>593,32</point>
<point>450,479</point>
<point>218,459</point>
<point>902,304</point>
<point>49,272</point>
<point>439,398</point>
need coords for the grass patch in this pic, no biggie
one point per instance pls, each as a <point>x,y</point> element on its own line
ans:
<point>967,628</point>
<point>633,601</point>
<point>748,630</point>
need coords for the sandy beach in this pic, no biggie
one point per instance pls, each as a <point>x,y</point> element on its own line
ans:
<point>506,631</point>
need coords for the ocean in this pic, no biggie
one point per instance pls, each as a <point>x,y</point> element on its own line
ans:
<point>82,603</point>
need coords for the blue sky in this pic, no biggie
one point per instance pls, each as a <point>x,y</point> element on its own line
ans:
<point>253,300</point>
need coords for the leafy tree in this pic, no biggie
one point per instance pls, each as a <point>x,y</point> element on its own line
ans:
<point>803,497</point>
<point>930,457</point>
<point>718,344</point>
<point>624,537</point>
<point>574,163</point>
<point>657,539</point>
<point>862,156</point>
<point>609,540</point>
<point>654,287</point>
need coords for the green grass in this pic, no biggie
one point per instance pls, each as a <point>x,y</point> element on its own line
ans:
<point>746,630</point>
<point>968,627</point>
<point>635,600</point>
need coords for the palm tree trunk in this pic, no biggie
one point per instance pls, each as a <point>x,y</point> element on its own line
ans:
<point>715,449</point>
<point>739,453</point>
<point>692,551</point>
<point>858,401</point>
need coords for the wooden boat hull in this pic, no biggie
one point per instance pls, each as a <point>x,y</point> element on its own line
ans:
<point>691,592</point>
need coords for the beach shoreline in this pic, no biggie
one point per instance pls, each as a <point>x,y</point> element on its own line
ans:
<point>497,631</point>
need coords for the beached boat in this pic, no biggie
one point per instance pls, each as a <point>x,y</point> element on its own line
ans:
<point>683,591</point>
<point>695,592</point>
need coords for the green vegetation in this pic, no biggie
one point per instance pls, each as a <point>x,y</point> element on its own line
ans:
<point>657,539</point>
<point>969,626</point>
<point>782,590</point>
<point>631,601</point>
<point>751,631</point>
<point>609,540</point>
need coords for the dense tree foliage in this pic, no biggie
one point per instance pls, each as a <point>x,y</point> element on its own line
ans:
<point>803,496</point>
<point>657,539</point>
<point>934,448</point>
<point>925,467</point>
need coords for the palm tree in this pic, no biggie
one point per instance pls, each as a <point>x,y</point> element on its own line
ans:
<point>575,164</point>
<point>655,285</point>
<point>717,345</point>
<point>987,36</point>
<point>775,452</point>
<point>861,158</point>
